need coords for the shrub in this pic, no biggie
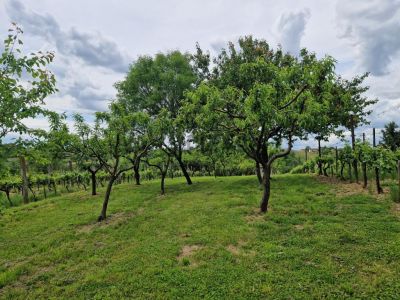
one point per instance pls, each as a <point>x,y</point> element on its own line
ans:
<point>297,170</point>
<point>394,193</point>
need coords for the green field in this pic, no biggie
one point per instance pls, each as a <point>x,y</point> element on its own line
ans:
<point>203,241</point>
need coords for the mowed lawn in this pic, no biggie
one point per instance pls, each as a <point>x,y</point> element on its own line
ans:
<point>203,241</point>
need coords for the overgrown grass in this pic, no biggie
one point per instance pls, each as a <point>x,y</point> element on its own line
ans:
<point>203,241</point>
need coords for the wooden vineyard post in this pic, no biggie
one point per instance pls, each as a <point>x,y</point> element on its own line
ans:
<point>398,179</point>
<point>24,177</point>
<point>379,189</point>
<point>364,169</point>
<point>336,160</point>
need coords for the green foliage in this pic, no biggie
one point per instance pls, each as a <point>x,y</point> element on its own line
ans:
<point>257,97</point>
<point>298,170</point>
<point>391,136</point>
<point>351,102</point>
<point>156,86</point>
<point>286,164</point>
<point>21,99</point>
<point>394,193</point>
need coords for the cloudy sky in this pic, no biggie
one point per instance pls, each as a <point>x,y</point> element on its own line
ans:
<point>95,40</point>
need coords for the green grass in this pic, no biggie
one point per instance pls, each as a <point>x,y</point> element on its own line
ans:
<point>311,245</point>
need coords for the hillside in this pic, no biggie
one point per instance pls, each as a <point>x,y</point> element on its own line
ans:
<point>203,241</point>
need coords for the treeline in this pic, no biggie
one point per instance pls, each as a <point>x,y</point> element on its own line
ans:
<point>251,100</point>
<point>64,176</point>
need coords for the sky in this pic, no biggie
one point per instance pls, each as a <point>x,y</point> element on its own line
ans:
<point>95,41</point>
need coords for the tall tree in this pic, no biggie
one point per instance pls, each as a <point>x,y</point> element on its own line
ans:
<point>22,98</point>
<point>156,85</point>
<point>391,136</point>
<point>258,97</point>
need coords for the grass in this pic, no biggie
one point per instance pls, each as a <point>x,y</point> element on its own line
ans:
<point>203,241</point>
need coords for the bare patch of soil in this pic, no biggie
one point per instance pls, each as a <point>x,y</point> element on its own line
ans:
<point>346,188</point>
<point>233,249</point>
<point>254,216</point>
<point>299,227</point>
<point>112,220</point>
<point>239,250</point>
<point>187,251</point>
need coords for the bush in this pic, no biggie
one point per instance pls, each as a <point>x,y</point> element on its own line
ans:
<point>297,170</point>
<point>394,193</point>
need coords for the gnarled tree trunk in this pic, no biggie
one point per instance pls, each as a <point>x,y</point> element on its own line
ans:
<point>103,213</point>
<point>258,172</point>
<point>136,171</point>
<point>93,179</point>
<point>184,171</point>
<point>162,183</point>
<point>266,181</point>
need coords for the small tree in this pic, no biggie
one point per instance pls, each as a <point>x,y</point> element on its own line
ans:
<point>156,86</point>
<point>108,140</point>
<point>353,106</point>
<point>87,150</point>
<point>160,160</point>
<point>258,97</point>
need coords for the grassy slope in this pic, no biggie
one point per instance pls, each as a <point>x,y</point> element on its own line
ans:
<point>311,243</point>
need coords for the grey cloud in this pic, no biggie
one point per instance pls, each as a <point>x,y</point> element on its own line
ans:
<point>373,27</point>
<point>93,49</point>
<point>90,97</point>
<point>218,44</point>
<point>291,29</point>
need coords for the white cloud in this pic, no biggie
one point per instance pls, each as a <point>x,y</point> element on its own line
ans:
<point>89,38</point>
<point>372,27</point>
<point>291,29</point>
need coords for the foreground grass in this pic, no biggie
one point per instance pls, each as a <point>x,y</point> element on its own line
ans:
<point>203,241</point>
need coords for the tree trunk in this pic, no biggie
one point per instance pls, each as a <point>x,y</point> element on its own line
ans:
<point>267,188</point>
<point>162,182</point>
<point>364,170</point>
<point>398,180</point>
<point>103,213</point>
<point>24,179</point>
<point>258,172</point>
<point>136,171</point>
<point>341,171</point>
<point>379,189</point>
<point>7,191</point>
<point>353,146</point>
<point>94,184</point>
<point>336,160</point>
<point>33,193</point>
<point>350,175</point>
<point>325,171</point>
<point>184,171</point>
<point>320,156</point>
